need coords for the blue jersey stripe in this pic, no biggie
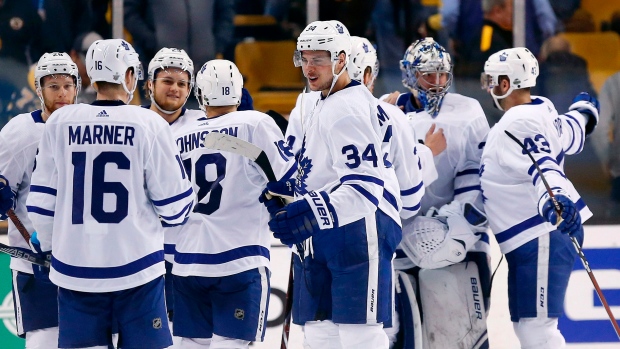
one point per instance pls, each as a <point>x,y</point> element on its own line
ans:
<point>466,189</point>
<point>108,272</point>
<point>518,228</point>
<point>175,198</point>
<point>290,171</point>
<point>41,211</point>
<point>365,193</point>
<point>184,211</point>
<point>580,129</point>
<point>540,162</point>
<point>222,257</point>
<point>560,158</point>
<point>390,198</point>
<point>413,208</point>
<point>169,248</point>
<point>412,190</point>
<point>42,189</point>
<point>546,170</point>
<point>362,178</point>
<point>468,172</point>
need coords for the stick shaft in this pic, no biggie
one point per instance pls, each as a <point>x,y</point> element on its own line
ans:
<point>288,308</point>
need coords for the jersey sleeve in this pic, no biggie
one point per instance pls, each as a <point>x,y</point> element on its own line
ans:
<point>537,142</point>
<point>571,129</point>
<point>467,179</point>
<point>41,202</point>
<point>357,160</point>
<point>268,137</point>
<point>167,183</point>
<point>13,161</point>
<point>408,167</point>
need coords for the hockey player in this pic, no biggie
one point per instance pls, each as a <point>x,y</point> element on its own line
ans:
<point>347,202</point>
<point>427,73</point>
<point>540,254</point>
<point>57,84</point>
<point>106,175</point>
<point>170,80</point>
<point>221,265</point>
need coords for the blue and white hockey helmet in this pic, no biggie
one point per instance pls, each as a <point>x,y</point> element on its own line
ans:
<point>171,58</point>
<point>363,55</point>
<point>56,63</point>
<point>427,68</point>
<point>330,36</point>
<point>218,83</point>
<point>108,60</point>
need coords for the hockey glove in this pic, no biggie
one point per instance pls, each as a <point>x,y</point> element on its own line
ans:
<point>275,196</point>
<point>301,219</point>
<point>6,198</point>
<point>589,106</point>
<point>40,272</point>
<point>571,219</point>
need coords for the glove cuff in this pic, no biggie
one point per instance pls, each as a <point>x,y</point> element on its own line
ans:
<point>546,197</point>
<point>589,111</point>
<point>322,209</point>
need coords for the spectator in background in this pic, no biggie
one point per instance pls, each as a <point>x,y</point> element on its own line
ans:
<point>564,9</point>
<point>63,21</point>
<point>78,55</point>
<point>203,28</point>
<point>606,140</point>
<point>563,74</point>
<point>20,31</point>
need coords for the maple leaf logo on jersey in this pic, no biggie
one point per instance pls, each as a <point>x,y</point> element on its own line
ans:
<point>304,167</point>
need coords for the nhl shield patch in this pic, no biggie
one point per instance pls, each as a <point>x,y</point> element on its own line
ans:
<point>239,314</point>
<point>157,323</point>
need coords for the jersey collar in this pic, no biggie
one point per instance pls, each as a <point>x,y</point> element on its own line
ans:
<point>37,116</point>
<point>106,103</point>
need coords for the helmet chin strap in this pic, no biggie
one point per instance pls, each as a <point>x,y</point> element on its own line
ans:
<point>129,93</point>
<point>496,98</point>
<point>335,77</point>
<point>167,112</point>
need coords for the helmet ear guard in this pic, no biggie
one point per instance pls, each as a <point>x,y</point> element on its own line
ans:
<point>424,60</point>
<point>218,83</point>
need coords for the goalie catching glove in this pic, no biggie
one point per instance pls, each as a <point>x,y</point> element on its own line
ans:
<point>436,242</point>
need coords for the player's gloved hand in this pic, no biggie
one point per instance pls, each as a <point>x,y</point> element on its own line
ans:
<point>6,198</point>
<point>589,106</point>
<point>570,214</point>
<point>40,272</point>
<point>276,194</point>
<point>297,221</point>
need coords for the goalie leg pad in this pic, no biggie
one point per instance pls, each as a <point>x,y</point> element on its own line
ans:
<point>410,334</point>
<point>453,307</point>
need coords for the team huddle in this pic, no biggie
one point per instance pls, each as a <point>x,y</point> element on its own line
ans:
<point>149,234</point>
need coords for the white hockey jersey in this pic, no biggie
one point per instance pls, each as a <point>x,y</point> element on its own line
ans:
<point>105,175</point>
<point>511,185</point>
<point>412,163</point>
<point>465,128</point>
<point>340,152</point>
<point>171,233</point>
<point>227,233</point>
<point>19,140</point>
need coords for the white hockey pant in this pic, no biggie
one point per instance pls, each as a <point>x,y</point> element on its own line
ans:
<point>46,338</point>
<point>327,335</point>
<point>216,342</point>
<point>539,333</point>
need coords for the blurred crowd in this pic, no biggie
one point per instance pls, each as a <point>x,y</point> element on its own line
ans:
<point>207,29</point>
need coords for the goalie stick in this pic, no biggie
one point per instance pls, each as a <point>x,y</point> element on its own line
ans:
<point>224,142</point>
<point>20,254</point>
<point>582,256</point>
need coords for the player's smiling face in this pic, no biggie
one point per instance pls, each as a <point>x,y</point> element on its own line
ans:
<point>171,88</point>
<point>57,91</point>
<point>317,68</point>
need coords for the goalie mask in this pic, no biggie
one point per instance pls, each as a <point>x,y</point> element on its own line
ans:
<point>170,58</point>
<point>109,60</point>
<point>427,70</point>
<point>518,64</point>
<point>52,64</point>
<point>218,83</point>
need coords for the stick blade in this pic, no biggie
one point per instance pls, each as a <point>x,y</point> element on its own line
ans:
<point>224,142</point>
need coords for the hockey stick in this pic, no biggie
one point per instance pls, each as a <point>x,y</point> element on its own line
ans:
<point>582,256</point>
<point>17,222</point>
<point>224,142</point>
<point>20,254</point>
